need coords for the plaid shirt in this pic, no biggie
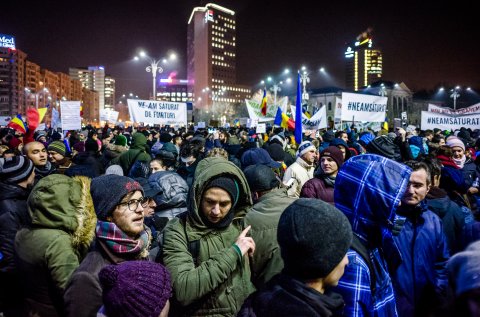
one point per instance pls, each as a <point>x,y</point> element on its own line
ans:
<point>354,286</point>
<point>368,190</point>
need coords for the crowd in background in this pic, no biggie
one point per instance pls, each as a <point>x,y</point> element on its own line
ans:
<point>157,221</point>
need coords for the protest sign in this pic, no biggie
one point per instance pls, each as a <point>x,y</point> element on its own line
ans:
<point>108,115</point>
<point>432,120</point>
<point>359,107</point>
<point>315,122</point>
<point>70,115</point>
<point>157,112</point>
<point>475,109</point>
<point>261,128</point>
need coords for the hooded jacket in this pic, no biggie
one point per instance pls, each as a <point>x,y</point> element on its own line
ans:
<point>221,281</point>
<point>172,194</point>
<point>368,190</point>
<point>51,248</point>
<point>137,152</point>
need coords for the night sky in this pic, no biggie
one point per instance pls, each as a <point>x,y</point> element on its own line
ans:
<point>424,44</point>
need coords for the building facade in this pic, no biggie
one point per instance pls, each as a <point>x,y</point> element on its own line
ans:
<point>211,62</point>
<point>364,62</point>
<point>94,78</point>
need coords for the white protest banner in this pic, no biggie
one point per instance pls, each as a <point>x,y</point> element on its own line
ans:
<point>55,118</point>
<point>70,115</point>
<point>255,113</point>
<point>338,109</point>
<point>261,128</point>
<point>108,115</point>
<point>431,120</point>
<point>157,112</point>
<point>317,121</point>
<point>475,109</point>
<point>359,107</point>
<point>4,120</point>
<point>252,123</point>
<point>201,125</point>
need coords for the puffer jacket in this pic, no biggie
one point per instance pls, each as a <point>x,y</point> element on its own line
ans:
<point>368,190</point>
<point>172,194</point>
<point>221,281</point>
<point>48,251</point>
<point>137,152</point>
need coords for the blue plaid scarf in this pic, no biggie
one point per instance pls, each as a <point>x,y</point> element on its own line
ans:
<point>119,242</point>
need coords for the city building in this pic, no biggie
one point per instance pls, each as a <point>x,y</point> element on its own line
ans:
<point>363,62</point>
<point>175,90</point>
<point>94,78</point>
<point>12,64</point>
<point>211,62</point>
<point>109,92</point>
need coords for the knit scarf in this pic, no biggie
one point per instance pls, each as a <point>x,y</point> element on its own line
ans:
<point>460,162</point>
<point>117,241</point>
<point>447,161</point>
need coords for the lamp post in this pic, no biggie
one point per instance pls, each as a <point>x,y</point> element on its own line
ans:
<point>154,68</point>
<point>455,94</point>
<point>305,80</point>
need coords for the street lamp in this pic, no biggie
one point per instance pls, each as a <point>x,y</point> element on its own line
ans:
<point>154,68</point>
<point>455,94</point>
<point>305,80</point>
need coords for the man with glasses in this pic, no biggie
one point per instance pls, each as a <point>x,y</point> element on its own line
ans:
<point>120,235</point>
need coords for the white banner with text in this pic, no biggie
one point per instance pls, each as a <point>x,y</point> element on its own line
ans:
<point>70,115</point>
<point>431,120</point>
<point>359,107</point>
<point>157,112</point>
<point>475,109</point>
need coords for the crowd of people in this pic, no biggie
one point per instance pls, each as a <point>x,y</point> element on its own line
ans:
<point>157,221</point>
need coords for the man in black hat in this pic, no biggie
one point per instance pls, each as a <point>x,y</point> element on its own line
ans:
<point>270,202</point>
<point>17,176</point>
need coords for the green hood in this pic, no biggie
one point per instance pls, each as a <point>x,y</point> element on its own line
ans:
<point>64,203</point>
<point>139,141</point>
<point>207,169</point>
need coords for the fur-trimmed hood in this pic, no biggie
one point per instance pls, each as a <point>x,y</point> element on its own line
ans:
<point>64,203</point>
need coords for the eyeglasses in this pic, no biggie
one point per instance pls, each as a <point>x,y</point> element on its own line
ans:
<point>133,204</point>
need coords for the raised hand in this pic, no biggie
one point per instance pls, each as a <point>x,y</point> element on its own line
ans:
<point>244,243</point>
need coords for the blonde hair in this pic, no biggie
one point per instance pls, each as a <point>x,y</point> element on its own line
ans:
<point>218,152</point>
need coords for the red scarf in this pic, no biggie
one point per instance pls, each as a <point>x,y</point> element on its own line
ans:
<point>447,161</point>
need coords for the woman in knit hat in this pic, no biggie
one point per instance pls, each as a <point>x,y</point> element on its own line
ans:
<point>120,235</point>
<point>135,289</point>
<point>321,186</point>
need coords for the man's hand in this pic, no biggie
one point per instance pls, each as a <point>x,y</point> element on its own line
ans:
<point>244,243</point>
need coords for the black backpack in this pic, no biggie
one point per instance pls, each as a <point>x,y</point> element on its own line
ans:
<point>361,249</point>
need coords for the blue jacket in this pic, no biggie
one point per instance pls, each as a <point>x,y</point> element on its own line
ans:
<point>368,190</point>
<point>422,276</point>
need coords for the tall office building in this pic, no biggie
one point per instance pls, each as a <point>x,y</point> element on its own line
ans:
<point>211,51</point>
<point>94,78</point>
<point>363,62</point>
<point>12,64</point>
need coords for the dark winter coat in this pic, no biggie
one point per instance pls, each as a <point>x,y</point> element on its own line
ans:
<point>286,296</point>
<point>317,188</point>
<point>48,251</point>
<point>85,164</point>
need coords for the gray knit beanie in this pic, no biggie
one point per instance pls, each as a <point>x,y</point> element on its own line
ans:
<point>314,237</point>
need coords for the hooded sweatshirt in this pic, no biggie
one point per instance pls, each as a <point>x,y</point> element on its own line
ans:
<point>368,190</point>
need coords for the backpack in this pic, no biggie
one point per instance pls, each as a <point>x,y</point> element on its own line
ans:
<point>192,246</point>
<point>359,246</point>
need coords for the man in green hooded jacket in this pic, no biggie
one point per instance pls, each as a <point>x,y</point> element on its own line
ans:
<point>216,281</point>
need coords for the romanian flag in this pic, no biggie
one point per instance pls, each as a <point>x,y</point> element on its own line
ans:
<point>17,124</point>
<point>41,113</point>
<point>385,124</point>
<point>263,103</point>
<point>283,120</point>
<point>236,122</point>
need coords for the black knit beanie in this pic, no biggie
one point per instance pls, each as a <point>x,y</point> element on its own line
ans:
<point>231,187</point>
<point>314,237</point>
